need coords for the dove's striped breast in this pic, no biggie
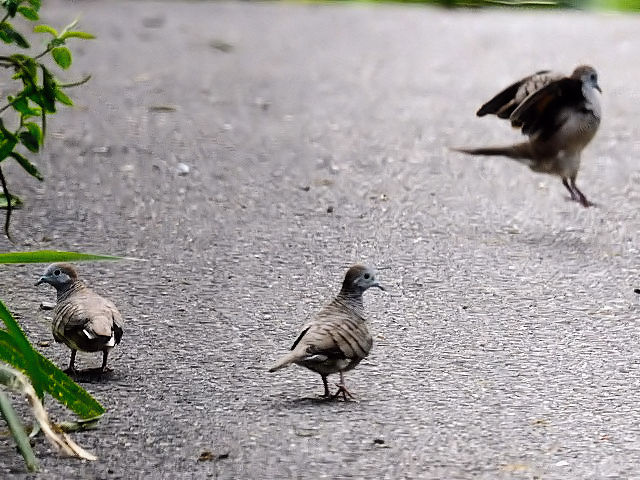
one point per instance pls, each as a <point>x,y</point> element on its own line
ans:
<point>336,339</point>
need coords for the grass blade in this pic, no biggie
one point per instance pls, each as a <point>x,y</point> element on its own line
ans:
<point>20,342</point>
<point>18,433</point>
<point>50,256</point>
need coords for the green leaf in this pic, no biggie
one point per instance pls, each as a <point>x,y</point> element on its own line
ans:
<point>35,4</point>
<point>34,129</point>
<point>62,56</point>
<point>15,202</point>
<point>9,35</point>
<point>29,355</point>
<point>27,66</point>
<point>45,29</point>
<point>63,98</point>
<point>11,6</point>
<point>55,42</point>
<point>28,13</point>
<point>57,383</point>
<point>10,353</point>
<point>48,91</point>
<point>21,105</point>
<point>6,133</point>
<point>30,141</point>
<point>51,256</point>
<point>67,392</point>
<point>77,34</point>
<point>6,147</point>
<point>27,165</point>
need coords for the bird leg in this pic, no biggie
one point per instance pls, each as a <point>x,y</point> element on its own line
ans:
<point>342,389</point>
<point>72,369</point>
<point>576,194</point>
<point>581,198</point>
<point>326,394</point>
<point>105,354</point>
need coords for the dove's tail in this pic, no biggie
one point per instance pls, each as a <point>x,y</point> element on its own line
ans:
<point>285,361</point>
<point>519,151</point>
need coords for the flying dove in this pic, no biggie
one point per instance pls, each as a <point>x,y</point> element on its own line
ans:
<point>82,319</point>
<point>560,115</point>
<point>337,338</point>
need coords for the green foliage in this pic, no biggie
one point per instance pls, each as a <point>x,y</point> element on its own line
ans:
<point>622,5</point>
<point>51,256</point>
<point>37,91</point>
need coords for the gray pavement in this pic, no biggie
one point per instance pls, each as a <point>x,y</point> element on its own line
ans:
<point>507,346</point>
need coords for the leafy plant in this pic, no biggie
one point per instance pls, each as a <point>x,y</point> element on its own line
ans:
<point>44,377</point>
<point>39,96</point>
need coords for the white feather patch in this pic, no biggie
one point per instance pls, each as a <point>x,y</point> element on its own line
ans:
<point>88,334</point>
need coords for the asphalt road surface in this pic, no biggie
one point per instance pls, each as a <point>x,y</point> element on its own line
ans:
<point>250,152</point>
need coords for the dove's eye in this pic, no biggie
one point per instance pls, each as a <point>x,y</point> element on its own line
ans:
<point>56,272</point>
<point>366,276</point>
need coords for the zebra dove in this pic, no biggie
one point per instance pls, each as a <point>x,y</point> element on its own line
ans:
<point>82,319</point>
<point>560,115</point>
<point>337,338</point>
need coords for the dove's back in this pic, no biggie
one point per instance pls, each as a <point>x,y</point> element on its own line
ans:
<point>83,320</point>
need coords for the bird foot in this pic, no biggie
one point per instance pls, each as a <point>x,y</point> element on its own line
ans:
<point>342,390</point>
<point>582,201</point>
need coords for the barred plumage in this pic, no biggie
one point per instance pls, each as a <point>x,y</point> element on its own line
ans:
<point>82,319</point>
<point>336,339</point>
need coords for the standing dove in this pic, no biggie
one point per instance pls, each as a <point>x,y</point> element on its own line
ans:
<point>337,338</point>
<point>560,115</point>
<point>82,319</point>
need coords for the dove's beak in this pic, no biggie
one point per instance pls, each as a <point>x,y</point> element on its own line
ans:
<point>42,280</point>
<point>597,87</point>
<point>380,287</point>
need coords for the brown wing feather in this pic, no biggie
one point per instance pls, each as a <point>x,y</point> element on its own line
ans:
<point>86,310</point>
<point>540,113</point>
<point>505,102</point>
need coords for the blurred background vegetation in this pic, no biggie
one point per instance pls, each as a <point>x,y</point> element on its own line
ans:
<point>622,5</point>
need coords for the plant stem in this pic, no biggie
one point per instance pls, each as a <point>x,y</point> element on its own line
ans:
<point>7,195</point>
<point>19,435</point>
<point>75,84</point>
<point>43,53</point>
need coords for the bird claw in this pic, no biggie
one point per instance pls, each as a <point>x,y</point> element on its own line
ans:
<point>342,390</point>
<point>582,201</point>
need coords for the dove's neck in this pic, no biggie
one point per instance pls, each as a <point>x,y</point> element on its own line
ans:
<point>592,101</point>
<point>352,299</point>
<point>66,290</point>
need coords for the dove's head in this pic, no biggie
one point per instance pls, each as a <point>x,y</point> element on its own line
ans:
<point>360,278</point>
<point>587,75</point>
<point>59,275</point>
